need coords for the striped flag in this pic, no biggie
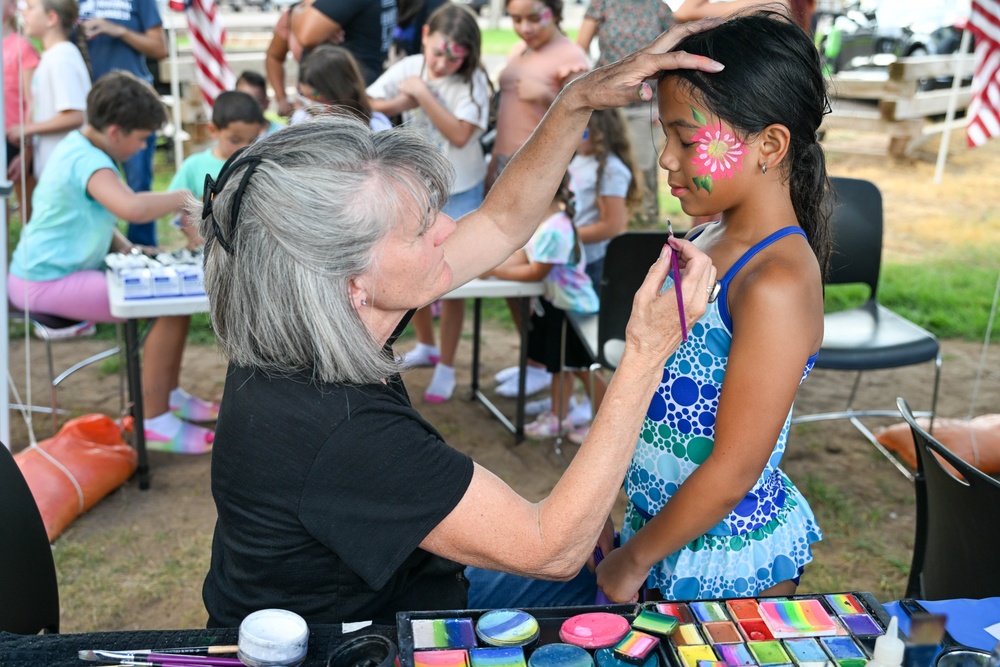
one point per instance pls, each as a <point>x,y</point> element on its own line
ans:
<point>984,109</point>
<point>208,36</point>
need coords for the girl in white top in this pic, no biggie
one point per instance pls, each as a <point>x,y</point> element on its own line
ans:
<point>61,82</point>
<point>444,94</point>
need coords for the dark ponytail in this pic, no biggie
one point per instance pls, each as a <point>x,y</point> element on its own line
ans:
<point>773,75</point>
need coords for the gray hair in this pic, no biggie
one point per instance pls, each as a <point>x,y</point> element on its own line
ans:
<point>324,195</point>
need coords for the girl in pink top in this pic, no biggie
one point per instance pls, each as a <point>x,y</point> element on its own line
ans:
<point>537,69</point>
<point>20,58</point>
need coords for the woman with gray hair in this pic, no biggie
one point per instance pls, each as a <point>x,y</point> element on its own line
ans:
<point>336,500</point>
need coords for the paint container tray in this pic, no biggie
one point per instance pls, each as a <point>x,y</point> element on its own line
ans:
<point>748,618</point>
<point>550,619</point>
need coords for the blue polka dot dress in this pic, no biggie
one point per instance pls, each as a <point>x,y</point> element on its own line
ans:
<point>765,539</point>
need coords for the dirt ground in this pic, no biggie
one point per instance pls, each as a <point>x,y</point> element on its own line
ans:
<point>137,560</point>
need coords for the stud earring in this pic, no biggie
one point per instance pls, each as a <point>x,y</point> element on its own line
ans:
<point>763,168</point>
<point>364,302</point>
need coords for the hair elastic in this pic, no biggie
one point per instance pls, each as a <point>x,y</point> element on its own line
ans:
<point>213,188</point>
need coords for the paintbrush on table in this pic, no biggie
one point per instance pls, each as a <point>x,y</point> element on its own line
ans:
<point>182,650</point>
<point>142,657</point>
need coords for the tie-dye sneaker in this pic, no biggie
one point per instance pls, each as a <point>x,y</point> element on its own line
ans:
<point>194,409</point>
<point>189,439</point>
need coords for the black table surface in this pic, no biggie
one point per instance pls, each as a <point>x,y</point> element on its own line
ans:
<point>62,650</point>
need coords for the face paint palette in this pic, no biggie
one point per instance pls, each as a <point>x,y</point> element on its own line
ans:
<point>832,630</point>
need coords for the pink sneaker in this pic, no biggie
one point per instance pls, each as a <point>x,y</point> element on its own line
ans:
<point>546,426</point>
<point>578,434</point>
<point>195,409</point>
<point>190,439</point>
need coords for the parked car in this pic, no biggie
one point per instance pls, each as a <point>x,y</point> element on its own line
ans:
<point>871,35</point>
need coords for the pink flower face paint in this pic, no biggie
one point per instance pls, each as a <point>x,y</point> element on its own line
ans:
<point>453,50</point>
<point>719,152</point>
<point>544,14</point>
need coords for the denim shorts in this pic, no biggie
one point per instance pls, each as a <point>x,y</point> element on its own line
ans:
<point>464,202</point>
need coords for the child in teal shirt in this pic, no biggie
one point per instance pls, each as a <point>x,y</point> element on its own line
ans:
<point>237,121</point>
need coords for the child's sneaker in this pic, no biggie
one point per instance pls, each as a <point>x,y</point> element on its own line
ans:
<point>189,439</point>
<point>579,411</point>
<point>537,379</point>
<point>421,355</point>
<point>546,426</point>
<point>578,434</point>
<point>78,330</point>
<point>192,408</point>
<point>506,374</point>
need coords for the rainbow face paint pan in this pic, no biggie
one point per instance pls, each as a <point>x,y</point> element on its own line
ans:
<point>507,627</point>
<point>691,656</point>
<point>560,655</point>
<point>721,632</point>
<point>845,604</point>
<point>797,618</point>
<point>593,630</point>
<point>735,655</point>
<point>707,612</point>
<point>655,623</point>
<point>605,657</point>
<point>687,634</point>
<point>678,610</point>
<point>806,652</point>
<point>636,647</point>
<point>768,653</point>
<point>443,633</point>
<point>497,657</point>
<point>454,658</point>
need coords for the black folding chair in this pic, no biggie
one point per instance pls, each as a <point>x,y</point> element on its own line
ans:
<point>869,337</point>
<point>958,524</point>
<point>29,593</point>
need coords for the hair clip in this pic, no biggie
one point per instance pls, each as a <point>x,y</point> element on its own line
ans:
<point>213,187</point>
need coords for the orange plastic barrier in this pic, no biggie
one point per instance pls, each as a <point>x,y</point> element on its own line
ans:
<point>956,435</point>
<point>85,461</point>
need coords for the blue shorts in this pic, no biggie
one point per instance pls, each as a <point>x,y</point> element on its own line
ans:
<point>464,202</point>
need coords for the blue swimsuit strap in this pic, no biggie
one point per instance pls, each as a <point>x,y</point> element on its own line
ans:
<point>741,262</point>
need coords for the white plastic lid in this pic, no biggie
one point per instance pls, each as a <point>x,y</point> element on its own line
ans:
<point>889,647</point>
<point>272,637</point>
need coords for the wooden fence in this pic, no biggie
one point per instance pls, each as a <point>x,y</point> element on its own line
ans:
<point>896,101</point>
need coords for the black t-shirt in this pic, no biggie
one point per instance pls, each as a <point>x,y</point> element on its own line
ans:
<point>324,493</point>
<point>368,26</point>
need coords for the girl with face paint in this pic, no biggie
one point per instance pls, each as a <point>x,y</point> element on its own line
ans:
<point>710,514</point>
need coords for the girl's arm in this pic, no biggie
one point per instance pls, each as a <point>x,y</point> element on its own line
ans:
<point>522,194</point>
<point>525,272</point>
<point>107,188</point>
<point>274,63</point>
<point>766,361</point>
<point>693,10</point>
<point>494,527</point>
<point>394,105</point>
<point>457,132</point>
<point>64,121</point>
<point>612,221</point>
<point>586,34</point>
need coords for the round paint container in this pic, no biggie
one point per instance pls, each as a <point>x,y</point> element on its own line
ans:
<point>594,630</point>
<point>507,627</point>
<point>560,655</point>
<point>364,651</point>
<point>605,657</point>
<point>273,638</point>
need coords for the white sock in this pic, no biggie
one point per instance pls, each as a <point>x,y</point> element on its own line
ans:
<point>166,425</point>
<point>443,382</point>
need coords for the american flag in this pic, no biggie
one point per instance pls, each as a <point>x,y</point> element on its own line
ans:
<point>208,35</point>
<point>984,109</point>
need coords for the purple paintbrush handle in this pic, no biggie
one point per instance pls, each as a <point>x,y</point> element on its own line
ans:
<point>174,659</point>
<point>675,271</point>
